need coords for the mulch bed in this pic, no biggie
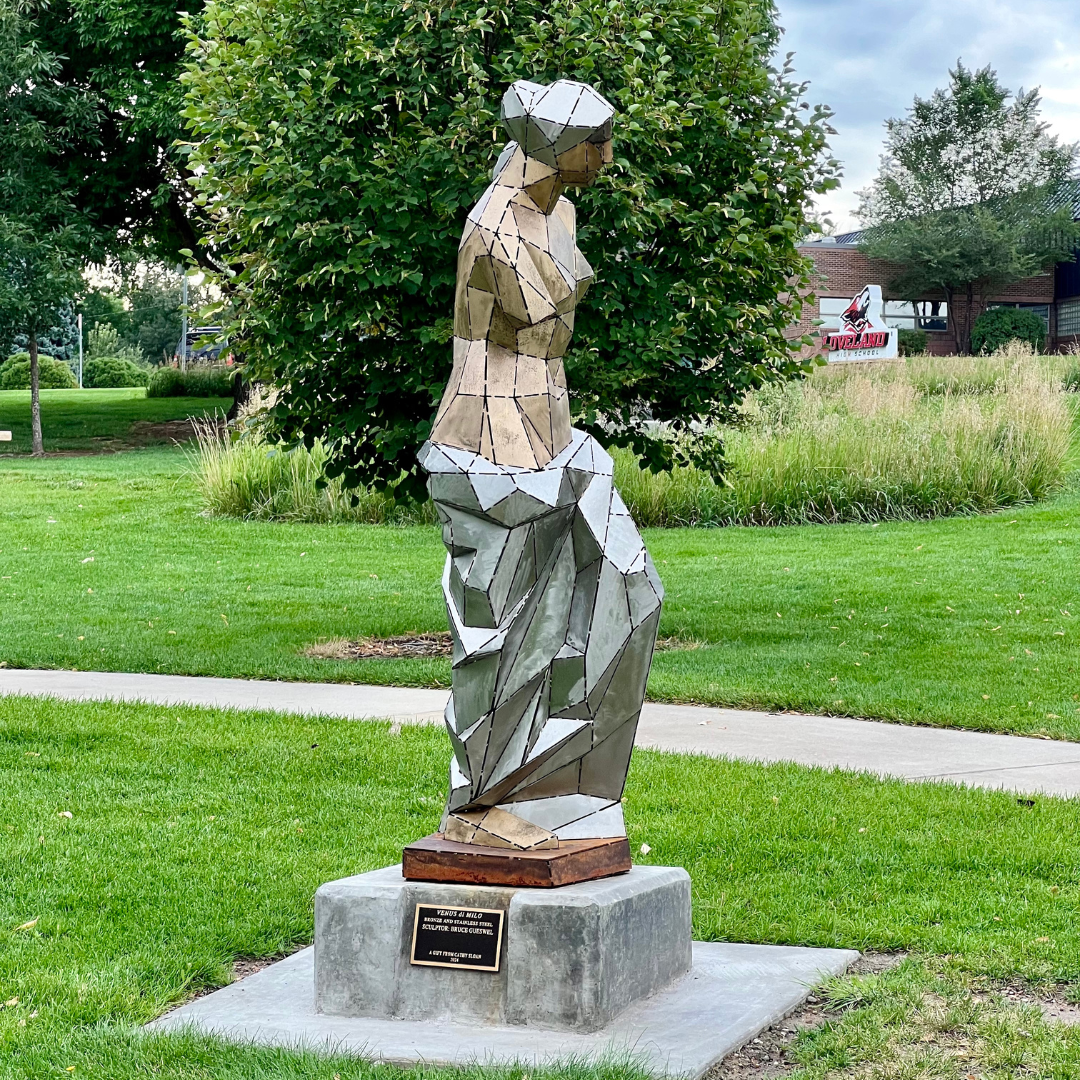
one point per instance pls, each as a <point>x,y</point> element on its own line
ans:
<point>765,1057</point>
<point>410,645</point>
<point>407,645</point>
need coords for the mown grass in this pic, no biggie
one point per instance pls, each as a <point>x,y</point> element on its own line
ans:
<point>74,420</point>
<point>198,836</point>
<point>932,1019</point>
<point>965,622</point>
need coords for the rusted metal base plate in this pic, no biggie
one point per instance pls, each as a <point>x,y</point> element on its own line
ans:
<point>436,859</point>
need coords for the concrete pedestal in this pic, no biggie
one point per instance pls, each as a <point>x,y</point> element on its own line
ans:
<point>598,972</point>
<point>573,958</point>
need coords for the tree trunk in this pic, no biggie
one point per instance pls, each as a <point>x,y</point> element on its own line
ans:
<point>964,326</point>
<point>951,315</point>
<point>38,447</point>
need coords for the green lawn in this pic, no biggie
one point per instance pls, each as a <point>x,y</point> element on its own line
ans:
<point>198,836</point>
<point>96,419</point>
<point>107,563</point>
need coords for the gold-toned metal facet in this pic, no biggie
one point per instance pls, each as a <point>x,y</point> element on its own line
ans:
<point>519,275</point>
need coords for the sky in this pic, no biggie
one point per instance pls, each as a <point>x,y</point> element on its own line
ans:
<point>868,60</point>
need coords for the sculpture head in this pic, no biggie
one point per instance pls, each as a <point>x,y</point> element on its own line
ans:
<point>566,125</point>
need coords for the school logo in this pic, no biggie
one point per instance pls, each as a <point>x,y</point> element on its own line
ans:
<point>863,334</point>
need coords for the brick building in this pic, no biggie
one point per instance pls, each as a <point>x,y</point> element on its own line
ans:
<point>842,270</point>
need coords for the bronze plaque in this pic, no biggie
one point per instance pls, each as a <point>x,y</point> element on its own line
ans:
<point>457,937</point>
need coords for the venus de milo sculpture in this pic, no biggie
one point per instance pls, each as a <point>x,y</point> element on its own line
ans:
<point>553,600</point>
<point>472,948</point>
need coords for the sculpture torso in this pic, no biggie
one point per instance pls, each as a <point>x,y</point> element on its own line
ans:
<point>520,276</point>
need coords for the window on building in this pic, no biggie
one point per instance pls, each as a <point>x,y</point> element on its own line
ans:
<point>1042,310</point>
<point>922,314</point>
<point>829,308</point>
<point>1068,317</point>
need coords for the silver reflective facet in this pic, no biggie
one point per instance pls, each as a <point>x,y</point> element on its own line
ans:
<point>543,719</point>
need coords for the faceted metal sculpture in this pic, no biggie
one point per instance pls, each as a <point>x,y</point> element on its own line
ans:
<point>553,601</point>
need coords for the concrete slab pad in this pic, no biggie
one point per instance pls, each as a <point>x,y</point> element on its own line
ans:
<point>731,993</point>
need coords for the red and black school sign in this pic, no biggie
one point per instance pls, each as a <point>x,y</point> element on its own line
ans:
<point>863,334</point>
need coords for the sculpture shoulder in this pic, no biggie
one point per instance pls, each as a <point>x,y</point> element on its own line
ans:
<point>567,213</point>
<point>489,212</point>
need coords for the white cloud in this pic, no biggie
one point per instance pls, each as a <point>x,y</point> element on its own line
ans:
<point>869,59</point>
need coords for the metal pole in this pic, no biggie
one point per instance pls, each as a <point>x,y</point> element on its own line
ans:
<point>80,353</point>
<point>184,328</point>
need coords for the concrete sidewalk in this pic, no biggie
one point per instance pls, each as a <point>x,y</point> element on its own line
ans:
<point>1009,762</point>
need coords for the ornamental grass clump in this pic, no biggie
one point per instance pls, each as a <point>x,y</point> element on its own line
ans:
<point>921,438</point>
<point>248,477</point>
<point>870,444</point>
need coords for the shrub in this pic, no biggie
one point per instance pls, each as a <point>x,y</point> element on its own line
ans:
<point>53,374</point>
<point>200,380</point>
<point>995,328</point>
<point>385,130</point>
<point>103,342</point>
<point>911,342</point>
<point>111,371</point>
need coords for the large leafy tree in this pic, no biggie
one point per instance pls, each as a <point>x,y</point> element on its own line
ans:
<point>40,230</point>
<point>338,146</point>
<point>119,167</point>
<point>969,195</point>
<point>144,306</point>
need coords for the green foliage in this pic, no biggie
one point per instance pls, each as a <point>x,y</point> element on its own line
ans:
<point>969,195</point>
<point>863,446</point>
<point>249,478</point>
<point>119,168</point>
<point>145,307</point>
<point>339,148</point>
<point>53,374</point>
<point>200,380</point>
<point>104,372</point>
<point>104,341</point>
<point>911,342</point>
<point>99,305</point>
<point>41,232</point>
<point>995,328</point>
<point>847,445</point>
<point>61,340</point>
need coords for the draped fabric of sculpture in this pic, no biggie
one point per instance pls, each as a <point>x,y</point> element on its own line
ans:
<point>553,601</point>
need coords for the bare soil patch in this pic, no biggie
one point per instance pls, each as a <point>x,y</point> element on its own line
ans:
<point>409,645</point>
<point>371,648</point>
<point>766,1057</point>
<point>143,432</point>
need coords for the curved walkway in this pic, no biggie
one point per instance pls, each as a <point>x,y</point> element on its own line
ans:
<point>1009,762</point>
